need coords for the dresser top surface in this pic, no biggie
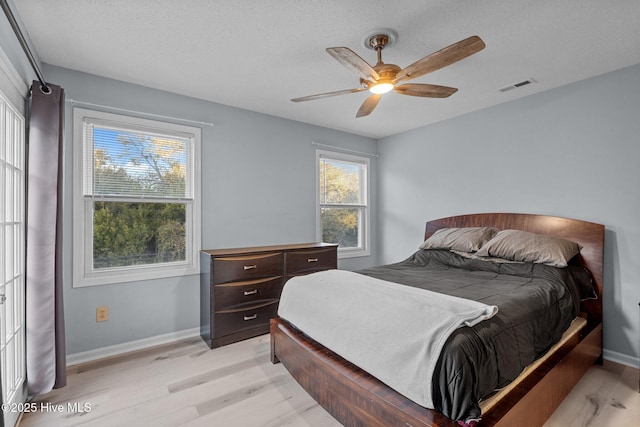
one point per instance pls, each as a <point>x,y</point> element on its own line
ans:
<point>271,248</point>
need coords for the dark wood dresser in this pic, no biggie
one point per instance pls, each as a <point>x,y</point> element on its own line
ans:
<point>240,287</point>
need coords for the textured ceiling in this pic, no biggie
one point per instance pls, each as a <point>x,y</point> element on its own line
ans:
<point>257,54</point>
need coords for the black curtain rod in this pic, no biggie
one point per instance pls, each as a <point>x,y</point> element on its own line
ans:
<point>23,42</point>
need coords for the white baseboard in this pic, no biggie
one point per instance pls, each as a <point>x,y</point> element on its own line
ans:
<point>620,358</point>
<point>114,350</point>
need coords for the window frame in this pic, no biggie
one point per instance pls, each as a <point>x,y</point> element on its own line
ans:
<point>13,177</point>
<point>364,231</point>
<point>83,272</point>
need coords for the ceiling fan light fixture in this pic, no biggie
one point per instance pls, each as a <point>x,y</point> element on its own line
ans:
<point>381,87</point>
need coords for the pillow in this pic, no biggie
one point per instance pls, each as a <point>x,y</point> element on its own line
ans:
<point>524,246</point>
<point>467,239</point>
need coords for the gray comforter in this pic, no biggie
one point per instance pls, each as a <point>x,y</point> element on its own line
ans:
<point>536,305</point>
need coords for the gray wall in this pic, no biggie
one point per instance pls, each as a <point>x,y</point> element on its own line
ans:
<point>258,188</point>
<point>573,151</point>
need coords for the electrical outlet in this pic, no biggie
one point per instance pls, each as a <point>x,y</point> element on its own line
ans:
<point>102,314</point>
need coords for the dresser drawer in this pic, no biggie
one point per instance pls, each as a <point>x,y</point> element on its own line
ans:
<point>241,318</point>
<point>238,268</point>
<point>308,261</point>
<point>237,293</point>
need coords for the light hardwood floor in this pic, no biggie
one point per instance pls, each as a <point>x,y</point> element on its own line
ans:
<point>186,384</point>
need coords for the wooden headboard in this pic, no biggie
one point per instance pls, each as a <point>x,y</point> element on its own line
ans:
<point>588,234</point>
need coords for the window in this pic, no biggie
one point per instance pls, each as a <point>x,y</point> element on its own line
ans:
<point>343,189</point>
<point>136,199</point>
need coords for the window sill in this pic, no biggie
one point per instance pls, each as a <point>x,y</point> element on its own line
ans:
<point>356,253</point>
<point>137,274</point>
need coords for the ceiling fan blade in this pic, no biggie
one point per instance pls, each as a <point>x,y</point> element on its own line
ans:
<point>328,94</point>
<point>352,61</point>
<point>425,90</point>
<point>368,105</point>
<point>442,58</point>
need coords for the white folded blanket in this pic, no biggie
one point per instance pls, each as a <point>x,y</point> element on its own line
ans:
<point>394,332</point>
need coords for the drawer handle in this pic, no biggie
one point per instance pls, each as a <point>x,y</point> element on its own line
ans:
<point>255,291</point>
<point>250,267</point>
<point>312,260</point>
<point>250,317</point>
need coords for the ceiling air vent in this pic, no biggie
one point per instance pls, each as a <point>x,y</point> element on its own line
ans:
<point>517,85</point>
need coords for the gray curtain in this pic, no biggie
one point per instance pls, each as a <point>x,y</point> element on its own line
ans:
<point>46,354</point>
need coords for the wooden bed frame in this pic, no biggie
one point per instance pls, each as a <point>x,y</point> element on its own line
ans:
<point>355,398</point>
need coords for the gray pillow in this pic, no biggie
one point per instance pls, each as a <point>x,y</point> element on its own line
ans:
<point>518,245</point>
<point>467,239</point>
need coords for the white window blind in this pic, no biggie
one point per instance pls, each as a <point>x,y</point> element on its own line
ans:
<point>127,163</point>
<point>342,182</point>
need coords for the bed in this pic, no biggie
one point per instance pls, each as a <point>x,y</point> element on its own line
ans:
<point>354,397</point>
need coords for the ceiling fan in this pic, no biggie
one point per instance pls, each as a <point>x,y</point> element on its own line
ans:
<point>382,78</point>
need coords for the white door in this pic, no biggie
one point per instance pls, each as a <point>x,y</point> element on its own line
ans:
<point>12,256</point>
